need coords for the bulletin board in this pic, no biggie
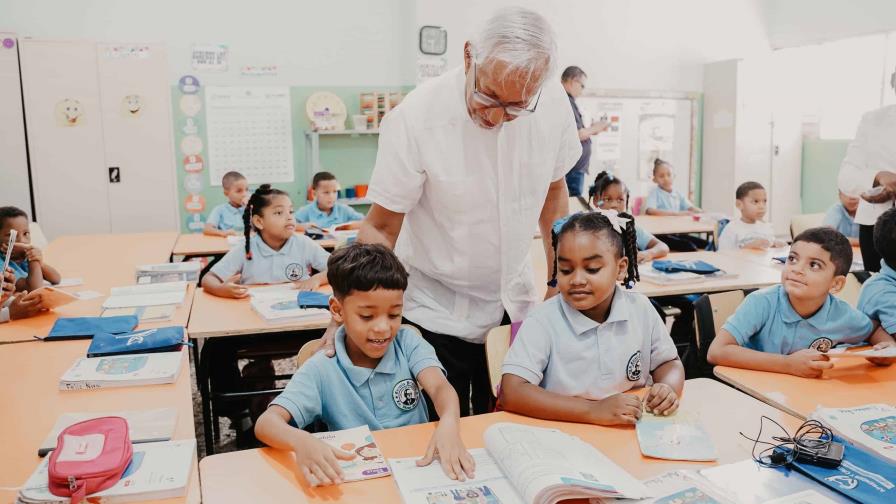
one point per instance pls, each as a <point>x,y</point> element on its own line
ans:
<point>643,127</point>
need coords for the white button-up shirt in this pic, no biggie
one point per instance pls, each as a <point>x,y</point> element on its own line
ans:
<point>872,151</point>
<point>471,197</point>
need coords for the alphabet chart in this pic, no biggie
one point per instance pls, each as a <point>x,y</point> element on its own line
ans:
<point>249,131</point>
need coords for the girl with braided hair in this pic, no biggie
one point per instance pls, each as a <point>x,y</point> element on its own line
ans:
<point>577,354</point>
<point>273,254</point>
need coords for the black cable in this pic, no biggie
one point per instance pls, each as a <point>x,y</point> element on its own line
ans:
<point>810,437</point>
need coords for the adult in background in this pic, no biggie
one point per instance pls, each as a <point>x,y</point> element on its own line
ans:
<point>573,80</point>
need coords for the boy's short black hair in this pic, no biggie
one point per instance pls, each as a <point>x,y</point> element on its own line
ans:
<point>833,242</point>
<point>10,212</point>
<point>320,177</point>
<point>885,237</point>
<point>744,189</point>
<point>230,177</point>
<point>572,72</point>
<point>365,267</point>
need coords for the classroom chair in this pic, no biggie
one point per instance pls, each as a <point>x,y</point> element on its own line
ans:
<point>497,342</point>
<point>800,223</point>
<point>710,313</point>
<point>305,353</point>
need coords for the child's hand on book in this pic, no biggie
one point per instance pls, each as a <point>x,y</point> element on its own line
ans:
<point>661,399</point>
<point>882,361</point>
<point>808,363</point>
<point>618,409</point>
<point>453,456</point>
<point>318,461</point>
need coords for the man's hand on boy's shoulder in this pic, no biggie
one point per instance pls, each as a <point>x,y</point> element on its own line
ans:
<point>808,363</point>
<point>328,340</point>
<point>447,446</point>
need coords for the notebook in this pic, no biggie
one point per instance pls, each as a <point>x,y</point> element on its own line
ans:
<point>122,371</point>
<point>171,293</point>
<point>283,306</point>
<point>87,327</point>
<point>52,297</point>
<point>143,313</point>
<point>187,271</point>
<point>679,436</point>
<point>159,339</point>
<point>145,426</point>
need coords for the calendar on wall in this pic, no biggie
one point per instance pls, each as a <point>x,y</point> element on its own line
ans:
<point>249,130</point>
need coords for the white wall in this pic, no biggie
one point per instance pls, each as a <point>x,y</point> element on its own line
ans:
<point>791,23</point>
<point>337,43</point>
<point>631,44</point>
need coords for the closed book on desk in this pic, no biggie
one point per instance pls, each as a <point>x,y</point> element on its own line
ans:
<point>187,271</point>
<point>145,426</point>
<point>160,339</point>
<point>157,471</point>
<point>283,306</point>
<point>122,371</point>
<point>171,293</point>
<point>87,327</point>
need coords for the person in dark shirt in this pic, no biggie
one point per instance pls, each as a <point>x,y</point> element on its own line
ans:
<point>573,80</point>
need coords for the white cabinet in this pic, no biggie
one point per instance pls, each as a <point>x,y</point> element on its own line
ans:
<point>96,167</point>
<point>14,188</point>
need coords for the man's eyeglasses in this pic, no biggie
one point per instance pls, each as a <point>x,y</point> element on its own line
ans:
<point>489,102</point>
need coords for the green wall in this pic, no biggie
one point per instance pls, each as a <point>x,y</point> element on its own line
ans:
<point>350,158</point>
<point>821,164</point>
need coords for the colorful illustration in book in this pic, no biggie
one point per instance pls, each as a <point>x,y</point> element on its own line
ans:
<point>881,429</point>
<point>463,495</point>
<point>687,496</point>
<point>121,365</point>
<point>134,466</point>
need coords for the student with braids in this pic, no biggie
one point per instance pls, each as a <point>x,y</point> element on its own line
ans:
<point>274,254</point>
<point>577,353</point>
<point>610,193</point>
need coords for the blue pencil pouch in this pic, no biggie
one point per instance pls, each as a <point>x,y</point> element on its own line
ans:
<point>86,327</point>
<point>161,339</point>
<point>311,299</point>
<point>697,266</point>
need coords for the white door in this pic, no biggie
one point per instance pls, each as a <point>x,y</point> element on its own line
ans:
<point>136,108</point>
<point>13,159</point>
<point>65,137</point>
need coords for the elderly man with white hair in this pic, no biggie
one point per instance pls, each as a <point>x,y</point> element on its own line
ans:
<point>467,165</point>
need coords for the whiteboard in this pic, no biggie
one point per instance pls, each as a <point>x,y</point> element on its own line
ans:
<point>249,131</point>
<point>642,128</point>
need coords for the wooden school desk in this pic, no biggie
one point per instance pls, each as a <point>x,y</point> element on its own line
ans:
<point>676,224</point>
<point>852,382</point>
<point>269,475</point>
<point>200,245</point>
<point>765,257</point>
<point>749,275</point>
<point>217,317</point>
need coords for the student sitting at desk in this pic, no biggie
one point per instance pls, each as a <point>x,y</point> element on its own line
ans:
<point>610,193</point>
<point>663,199</point>
<point>27,261</point>
<point>577,353</point>
<point>750,231</point>
<point>226,219</point>
<point>878,296</point>
<point>842,217</point>
<point>373,380</point>
<point>17,306</point>
<point>788,328</point>
<point>324,211</point>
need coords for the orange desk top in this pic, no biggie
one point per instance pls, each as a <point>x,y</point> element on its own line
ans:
<point>852,382</point>
<point>198,244</point>
<point>750,275</point>
<point>764,257</point>
<point>214,317</point>
<point>674,224</point>
<point>270,475</point>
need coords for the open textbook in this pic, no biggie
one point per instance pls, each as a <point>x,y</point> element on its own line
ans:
<point>280,304</point>
<point>871,427</point>
<point>157,471</point>
<point>683,487</point>
<point>368,462</point>
<point>521,465</point>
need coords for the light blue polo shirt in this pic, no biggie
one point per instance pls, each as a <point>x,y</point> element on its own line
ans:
<point>20,269</point>
<point>293,262</point>
<point>672,201</point>
<point>339,215</point>
<point>878,298</point>
<point>767,322</point>
<point>643,238</point>
<point>344,395</point>
<point>226,217</point>
<point>839,219</point>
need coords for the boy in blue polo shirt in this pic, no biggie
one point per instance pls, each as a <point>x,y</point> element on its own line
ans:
<point>842,217</point>
<point>324,211</point>
<point>372,380</point>
<point>227,218</point>
<point>878,296</point>
<point>789,328</point>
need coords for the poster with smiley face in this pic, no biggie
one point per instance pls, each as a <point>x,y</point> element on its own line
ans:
<point>69,112</point>
<point>131,105</point>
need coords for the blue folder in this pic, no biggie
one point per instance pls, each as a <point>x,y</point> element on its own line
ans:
<point>160,339</point>
<point>697,266</point>
<point>311,299</point>
<point>86,327</point>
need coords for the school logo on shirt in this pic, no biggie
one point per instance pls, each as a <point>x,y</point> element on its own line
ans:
<point>822,344</point>
<point>406,394</point>
<point>294,271</point>
<point>633,368</point>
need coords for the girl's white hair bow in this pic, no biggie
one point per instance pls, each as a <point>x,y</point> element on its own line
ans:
<point>616,221</point>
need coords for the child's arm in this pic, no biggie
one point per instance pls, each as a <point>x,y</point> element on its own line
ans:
<point>231,287</point>
<point>668,382</point>
<point>36,258</point>
<point>312,283</point>
<point>316,459</point>
<point>880,338</point>
<point>655,250</point>
<point>212,230</point>
<point>725,351</point>
<point>445,443</point>
<point>520,396</point>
